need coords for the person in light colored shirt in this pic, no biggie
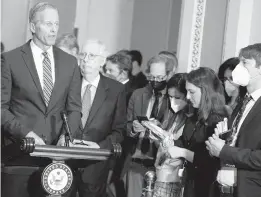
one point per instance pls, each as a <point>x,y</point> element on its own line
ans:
<point>168,182</point>
<point>103,117</point>
<point>38,82</point>
<point>240,152</point>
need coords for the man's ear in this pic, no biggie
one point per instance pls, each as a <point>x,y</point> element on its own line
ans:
<point>102,61</point>
<point>171,73</point>
<point>74,51</point>
<point>32,27</point>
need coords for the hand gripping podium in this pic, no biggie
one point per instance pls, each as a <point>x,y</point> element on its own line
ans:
<point>57,177</point>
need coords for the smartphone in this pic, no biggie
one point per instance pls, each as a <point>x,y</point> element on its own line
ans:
<point>142,118</point>
<point>225,135</point>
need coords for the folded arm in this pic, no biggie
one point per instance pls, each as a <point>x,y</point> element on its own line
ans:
<point>242,158</point>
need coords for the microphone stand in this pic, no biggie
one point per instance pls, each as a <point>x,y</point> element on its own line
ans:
<point>67,135</point>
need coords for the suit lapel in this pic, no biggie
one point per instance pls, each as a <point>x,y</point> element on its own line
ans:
<point>253,112</point>
<point>29,62</point>
<point>145,101</point>
<point>56,87</point>
<point>99,98</point>
<point>163,107</point>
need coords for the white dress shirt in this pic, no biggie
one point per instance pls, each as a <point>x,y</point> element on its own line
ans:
<point>38,60</point>
<point>93,89</point>
<point>227,176</point>
<point>126,81</point>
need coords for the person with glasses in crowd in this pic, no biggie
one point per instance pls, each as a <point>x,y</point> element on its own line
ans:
<point>234,93</point>
<point>151,102</point>
<point>206,93</point>
<point>39,81</point>
<point>103,121</point>
<point>237,141</point>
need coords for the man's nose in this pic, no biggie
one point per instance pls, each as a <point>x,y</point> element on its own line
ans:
<point>188,96</point>
<point>54,28</point>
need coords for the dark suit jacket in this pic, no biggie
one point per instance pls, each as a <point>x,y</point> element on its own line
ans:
<point>23,107</point>
<point>138,105</point>
<point>138,81</point>
<point>202,172</point>
<point>129,90</point>
<point>246,155</point>
<point>105,125</point>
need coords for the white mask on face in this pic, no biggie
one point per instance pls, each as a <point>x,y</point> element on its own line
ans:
<point>230,88</point>
<point>177,104</point>
<point>240,75</point>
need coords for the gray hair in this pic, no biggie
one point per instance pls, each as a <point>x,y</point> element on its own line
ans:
<point>67,40</point>
<point>172,58</point>
<point>103,52</point>
<point>38,8</point>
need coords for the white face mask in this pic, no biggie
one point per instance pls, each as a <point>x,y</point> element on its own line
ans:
<point>177,104</point>
<point>230,88</point>
<point>240,75</point>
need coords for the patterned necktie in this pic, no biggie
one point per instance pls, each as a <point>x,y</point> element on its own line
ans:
<point>86,104</point>
<point>47,78</point>
<point>145,143</point>
<point>155,108</point>
<point>246,100</point>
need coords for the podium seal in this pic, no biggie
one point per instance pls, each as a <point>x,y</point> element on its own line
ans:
<point>57,178</point>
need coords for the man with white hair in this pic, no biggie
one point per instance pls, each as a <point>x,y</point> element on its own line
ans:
<point>103,117</point>
<point>39,81</point>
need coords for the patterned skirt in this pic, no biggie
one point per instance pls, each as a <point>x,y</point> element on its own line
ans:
<point>162,189</point>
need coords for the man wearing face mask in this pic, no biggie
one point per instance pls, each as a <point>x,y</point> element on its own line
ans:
<point>240,153</point>
<point>151,102</point>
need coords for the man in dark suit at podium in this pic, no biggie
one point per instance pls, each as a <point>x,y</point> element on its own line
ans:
<point>103,117</point>
<point>39,81</point>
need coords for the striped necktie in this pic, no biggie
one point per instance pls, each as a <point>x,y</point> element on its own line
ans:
<point>47,78</point>
<point>86,104</point>
<point>246,100</point>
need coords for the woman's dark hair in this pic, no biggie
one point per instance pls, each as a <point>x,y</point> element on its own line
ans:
<point>178,81</point>
<point>136,56</point>
<point>212,92</point>
<point>230,64</point>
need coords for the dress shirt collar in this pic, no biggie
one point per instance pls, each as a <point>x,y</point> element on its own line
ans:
<point>256,94</point>
<point>126,81</point>
<point>39,52</point>
<point>94,83</point>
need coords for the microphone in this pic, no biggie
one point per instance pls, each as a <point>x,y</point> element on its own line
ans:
<point>67,128</point>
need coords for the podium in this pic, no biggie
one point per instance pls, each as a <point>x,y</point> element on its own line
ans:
<point>57,177</point>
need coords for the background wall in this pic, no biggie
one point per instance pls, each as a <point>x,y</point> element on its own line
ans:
<point>150,27</point>
<point>213,33</point>
<point>174,25</point>
<point>13,20</point>
<point>108,21</point>
<point>255,32</point>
